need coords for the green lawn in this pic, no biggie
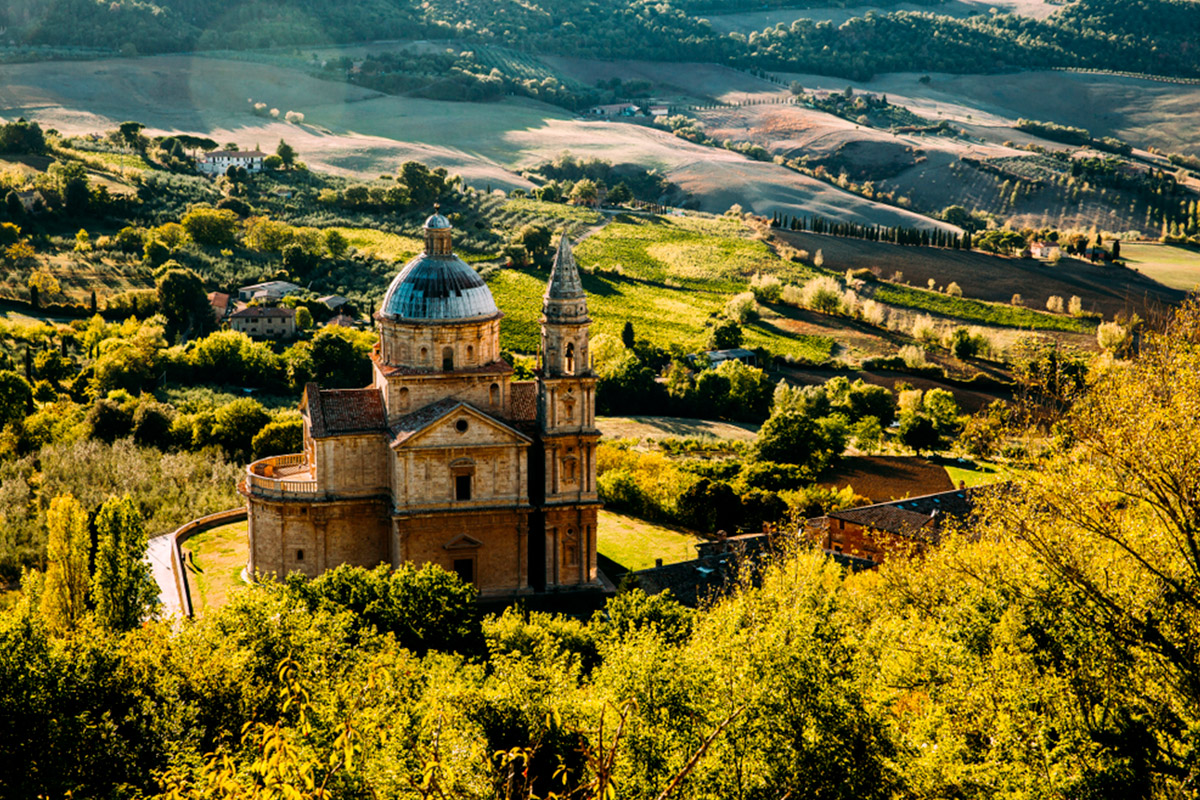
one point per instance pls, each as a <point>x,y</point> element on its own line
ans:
<point>978,311</point>
<point>1176,267</point>
<point>635,544</point>
<point>215,567</point>
<point>975,473</point>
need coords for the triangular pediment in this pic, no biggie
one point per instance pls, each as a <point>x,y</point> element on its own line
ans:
<point>462,542</point>
<point>450,423</point>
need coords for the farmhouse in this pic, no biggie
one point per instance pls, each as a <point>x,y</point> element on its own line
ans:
<point>869,532</point>
<point>613,110</point>
<point>747,357</point>
<point>265,322</point>
<point>444,458</point>
<point>217,162</point>
<point>271,291</point>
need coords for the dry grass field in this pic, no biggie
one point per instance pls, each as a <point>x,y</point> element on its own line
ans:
<point>1144,112</point>
<point>672,428</point>
<point>354,131</point>
<point>884,478</point>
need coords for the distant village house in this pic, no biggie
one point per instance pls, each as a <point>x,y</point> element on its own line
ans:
<point>870,532</point>
<point>613,110</point>
<point>270,291</point>
<point>259,322</point>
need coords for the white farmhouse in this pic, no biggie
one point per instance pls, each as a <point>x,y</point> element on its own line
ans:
<point>218,161</point>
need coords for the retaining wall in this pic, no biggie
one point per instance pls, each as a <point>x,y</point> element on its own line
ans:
<point>187,531</point>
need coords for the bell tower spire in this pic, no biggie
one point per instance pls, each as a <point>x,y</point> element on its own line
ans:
<point>565,318</point>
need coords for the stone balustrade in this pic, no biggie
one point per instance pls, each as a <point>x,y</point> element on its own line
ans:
<point>281,477</point>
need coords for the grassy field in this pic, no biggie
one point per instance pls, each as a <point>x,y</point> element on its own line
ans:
<point>387,246</point>
<point>635,544</point>
<point>707,253</point>
<point>978,311</point>
<point>1176,267</point>
<point>214,569</point>
<point>672,427</point>
<point>669,278</point>
<point>568,213</point>
<point>975,473</point>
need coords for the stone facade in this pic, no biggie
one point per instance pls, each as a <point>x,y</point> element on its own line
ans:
<point>444,459</point>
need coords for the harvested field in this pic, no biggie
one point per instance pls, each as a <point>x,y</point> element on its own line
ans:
<point>884,478</point>
<point>1106,289</point>
<point>1141,111</point>
<point>672,428</point>
<point>353,131</point>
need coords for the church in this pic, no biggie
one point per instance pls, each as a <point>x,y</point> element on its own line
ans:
<point>445,458</point>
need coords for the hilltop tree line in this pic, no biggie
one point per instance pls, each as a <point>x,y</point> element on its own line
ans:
<point>918,237</point>
<point>1128,35</point>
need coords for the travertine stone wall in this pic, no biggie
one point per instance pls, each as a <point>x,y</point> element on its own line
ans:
<point>403,394</point>
<point>425,476</point>
<point>422,346</point>
<point>303,537</point>
<point>494,542</point>
<point>352,465</point>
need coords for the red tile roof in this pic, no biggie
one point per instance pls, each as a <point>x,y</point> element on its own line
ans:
<point>263,312</point>
<point>334,412</point>
<point>523,396</point>
<point>501,367</point>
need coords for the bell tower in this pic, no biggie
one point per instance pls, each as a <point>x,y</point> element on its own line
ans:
<point>567,427</point>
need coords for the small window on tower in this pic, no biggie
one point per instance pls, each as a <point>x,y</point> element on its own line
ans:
<point>494,395</point>
<point>570,358</point>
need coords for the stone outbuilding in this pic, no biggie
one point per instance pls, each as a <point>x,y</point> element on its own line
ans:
<point>444,458</point>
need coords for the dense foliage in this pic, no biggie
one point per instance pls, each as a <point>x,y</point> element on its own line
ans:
<point>1046,652</point>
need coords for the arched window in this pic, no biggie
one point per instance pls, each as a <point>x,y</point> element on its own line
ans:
<point>447,359</point>
<point>424,356</point>
<point>403,398</point>
<point>494,395</point>
<point>570,358</point>
<point>470,354</point>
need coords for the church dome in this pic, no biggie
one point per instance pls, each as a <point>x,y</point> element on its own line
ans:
<point>438,285</point>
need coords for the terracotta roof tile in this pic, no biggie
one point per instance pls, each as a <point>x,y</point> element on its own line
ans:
<point>262,312</point>
<point>333,412</point>
<point>523,396</point>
